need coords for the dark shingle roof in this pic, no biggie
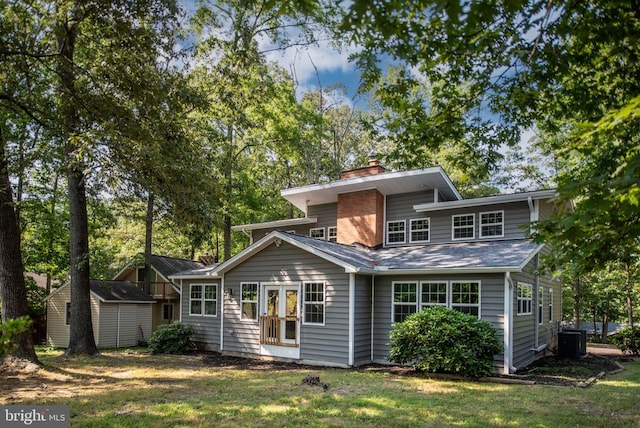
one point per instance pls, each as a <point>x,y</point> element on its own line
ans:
<point>118,291</point>
<point>171,265</point>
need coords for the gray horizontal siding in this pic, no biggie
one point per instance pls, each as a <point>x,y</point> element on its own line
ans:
<point>516,214</point>
<point>491,306</point>
<point>206,329</point>
<point>362,321</point>
<point>286,264</point>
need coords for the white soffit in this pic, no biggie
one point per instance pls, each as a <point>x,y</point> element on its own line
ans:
<point>388,183</point>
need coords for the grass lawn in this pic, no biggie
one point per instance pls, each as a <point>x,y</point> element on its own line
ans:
<point>132,389</point>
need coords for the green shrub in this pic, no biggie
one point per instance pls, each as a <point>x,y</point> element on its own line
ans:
<point>445,340</point>
<point>172,338</point>
<point>628,340</point>
<point>8,330</point>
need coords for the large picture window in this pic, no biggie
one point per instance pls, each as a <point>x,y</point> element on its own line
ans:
<point>313,302</point>
<point>492,224</point>
<point>524,298</point>
<point>419,230</point>
<point>396,232</point>
<point>249,301</point>
<point>203,299</point>
<point>463,226</point>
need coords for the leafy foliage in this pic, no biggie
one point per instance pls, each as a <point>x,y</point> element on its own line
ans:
<point>174,338</point>
<point>628,340</point>
<point>10,329</point>
<point>445,340</point>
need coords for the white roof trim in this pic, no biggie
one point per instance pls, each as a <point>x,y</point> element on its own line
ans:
<point>275,224</point>
<point>488,200</point>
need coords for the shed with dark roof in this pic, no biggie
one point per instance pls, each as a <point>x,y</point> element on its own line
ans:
<point>121,314</point>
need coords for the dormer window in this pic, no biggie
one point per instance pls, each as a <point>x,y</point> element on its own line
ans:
<point>396,232</point>
<point>317,232</point>
<point>492,224</point>
<point>463,226</point>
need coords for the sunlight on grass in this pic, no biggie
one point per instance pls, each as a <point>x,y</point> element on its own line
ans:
<point>118,389</point>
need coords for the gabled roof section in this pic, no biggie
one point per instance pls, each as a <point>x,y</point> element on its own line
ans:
<point>388,183</point>
<point>164,265</point>
<point>119,292</point>
<point>487,200</point>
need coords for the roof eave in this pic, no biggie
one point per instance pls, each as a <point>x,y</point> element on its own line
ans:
<point>488,200</point>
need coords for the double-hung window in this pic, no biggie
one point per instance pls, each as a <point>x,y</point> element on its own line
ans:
<point>332,233</point>
<point>463,226</point>
<point>317,232</point>
<point>550,305</point>
<point>405,300</point>
<point>396,232</point>
<point>67,316</point>
<point>492,224</point>
<point>203,299</point>
<point>313,302</point>
<point>249,301</point>
<point>419,230</point>
<point>524,298</point>
<point>465,297</point>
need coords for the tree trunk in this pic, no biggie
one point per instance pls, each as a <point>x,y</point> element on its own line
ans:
<point>81,339</point>
<point>147,243</point>
<point>575,287</point>
<point>629,291</point>
<point>13,292</point>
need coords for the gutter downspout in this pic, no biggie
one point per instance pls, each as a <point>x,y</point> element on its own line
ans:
<point>352,309</point>
<point>508,325</point>
<point>250,235</point>
<point>223,294</point>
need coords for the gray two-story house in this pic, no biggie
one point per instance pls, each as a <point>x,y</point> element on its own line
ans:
<point>373,248</point>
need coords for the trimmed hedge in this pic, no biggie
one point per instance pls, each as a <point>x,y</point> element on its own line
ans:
<point>445,341</point>
<point>174,338</point>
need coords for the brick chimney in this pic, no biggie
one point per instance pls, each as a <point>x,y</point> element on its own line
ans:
<point>361,213</point>
<point>373,168</point>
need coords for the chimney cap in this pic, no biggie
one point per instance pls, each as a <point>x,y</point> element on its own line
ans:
<point>373,160</point>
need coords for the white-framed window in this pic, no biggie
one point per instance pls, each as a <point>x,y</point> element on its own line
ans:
<point>317,232</point>
<point>524,298</point>
<point>408,296</point>
<point>463,226</point>
<point>167,311</point>
<point>540,307</point>
<point>249,301</point>
<point>465,297</point>
<point>419,230</point>
<point>332,233</point>
<point>434,294</point>
<point>396,232</point>
<point>550,303</point>
<point>492,224</point>
<point>405,300</point>
<point>203,299</point>
<point>67,313</point>
<point>313,302</point>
